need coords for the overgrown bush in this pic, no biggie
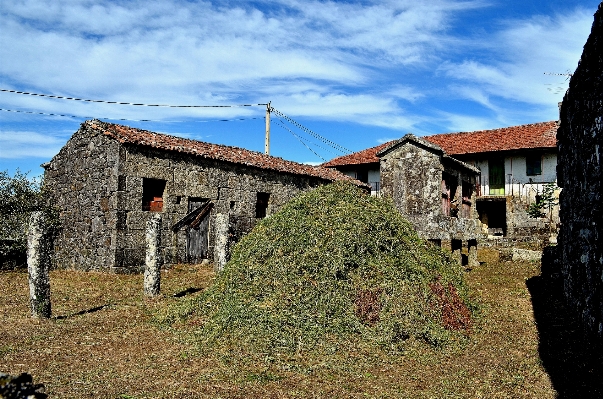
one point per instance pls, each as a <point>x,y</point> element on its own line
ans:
<point>20,195</point>
<point>332,266</point>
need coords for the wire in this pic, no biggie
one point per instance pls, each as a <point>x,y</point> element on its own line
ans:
<point>305,140</point>
<point>300,139</point>
<point>126,103</point>
<point>310,132</point>
<point>124,119</point>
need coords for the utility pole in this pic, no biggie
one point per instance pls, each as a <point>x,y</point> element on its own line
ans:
<point>267,140</point>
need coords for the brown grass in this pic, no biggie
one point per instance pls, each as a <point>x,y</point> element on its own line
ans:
<point>102,343</point>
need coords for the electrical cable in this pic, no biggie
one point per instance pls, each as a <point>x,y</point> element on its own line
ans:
<point>127,103</point>
<point>310,132</point>
<point>279,123</point>
<point>308,141</point>
<point>124,119</point>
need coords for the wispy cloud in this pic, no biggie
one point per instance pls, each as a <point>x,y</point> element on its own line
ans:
<point>17,144</point>
<point>383,68</point>
<point>519,67</point>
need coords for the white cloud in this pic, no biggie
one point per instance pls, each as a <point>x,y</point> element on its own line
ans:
<point>180,48</point>
<point>520,65</point>
<point>18,144</point>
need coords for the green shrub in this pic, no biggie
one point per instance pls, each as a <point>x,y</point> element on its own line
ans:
<point>20,195</point>
<point>332,265</point>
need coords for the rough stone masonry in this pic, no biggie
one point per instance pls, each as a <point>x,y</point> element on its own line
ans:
<point>580,142</point>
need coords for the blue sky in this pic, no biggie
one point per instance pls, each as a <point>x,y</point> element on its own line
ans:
<point>356,72</point>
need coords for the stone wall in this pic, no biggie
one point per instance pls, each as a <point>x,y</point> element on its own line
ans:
<point>580,143</point>
<point>84,176</point>
<point>99,186</point>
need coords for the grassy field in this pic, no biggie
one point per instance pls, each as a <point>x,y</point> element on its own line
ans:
<point>102,343</point>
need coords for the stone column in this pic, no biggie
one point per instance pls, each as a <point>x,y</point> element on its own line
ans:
<point>472,251</point>
<point>152,270</point>
<point>456,247</point>
<point>38,264</point>
<point>221,246</point>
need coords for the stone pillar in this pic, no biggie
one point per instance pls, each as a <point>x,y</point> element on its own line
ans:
<point>472,251</point>
<point>221,246</point>
<point>456,247</point>
<point>38,264</point>
<point>152,270</point>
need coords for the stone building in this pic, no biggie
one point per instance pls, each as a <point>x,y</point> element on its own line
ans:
<point>515,164</point>
<point>434,191</point>
<point>580,141</point>
<point>109,179</point>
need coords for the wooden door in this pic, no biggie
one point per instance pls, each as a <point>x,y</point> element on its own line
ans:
<point>197,233</point>
<point>496,176</point>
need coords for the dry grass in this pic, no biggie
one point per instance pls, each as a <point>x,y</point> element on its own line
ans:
<point>118,352</point>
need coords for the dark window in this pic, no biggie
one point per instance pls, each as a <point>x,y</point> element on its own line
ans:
<point>533,165</point>
<point>121,183</point>
<point>449,203</point>
<point>362,175</point>
<point>152,194</point>
<point>261,205</point>
<point>466,202</point>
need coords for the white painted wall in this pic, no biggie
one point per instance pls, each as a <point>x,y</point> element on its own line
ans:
<point>517,183</point>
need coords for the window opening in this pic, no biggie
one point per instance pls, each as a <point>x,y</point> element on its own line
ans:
<point>261,205</point>
<point>466,203</point>
<point>121,183</point>
<point>533,165</point>
<point>362,176</point>
<point>152,194</point>
<point>449,204</point>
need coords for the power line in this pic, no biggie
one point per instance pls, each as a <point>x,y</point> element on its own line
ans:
<point>300,139</point>
<point>127,103</point>
<point>124,119</point>
<point>307,141</point>
<point>310,132</point>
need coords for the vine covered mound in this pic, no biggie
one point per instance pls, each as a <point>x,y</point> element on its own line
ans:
<point>333,266</point>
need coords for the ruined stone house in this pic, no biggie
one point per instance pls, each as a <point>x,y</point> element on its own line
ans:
<point>580,141</point>
<point>109,179</point>
<point>433,190</point>
<point>514,163</point>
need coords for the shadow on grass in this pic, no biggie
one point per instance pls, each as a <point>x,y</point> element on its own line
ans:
<point>82,312</point>
<point>574,367</point>
<point>187,291</point>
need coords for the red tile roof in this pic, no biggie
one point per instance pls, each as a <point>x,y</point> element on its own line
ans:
<point>139,137</point>
<point>361,157</point>
<point>534,135</point>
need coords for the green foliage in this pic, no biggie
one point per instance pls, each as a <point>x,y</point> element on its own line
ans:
<point>334,265</point>
<point>545,201</point>
<point>20,195</point>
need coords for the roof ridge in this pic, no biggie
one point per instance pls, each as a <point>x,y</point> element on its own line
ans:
<point>237,155</point>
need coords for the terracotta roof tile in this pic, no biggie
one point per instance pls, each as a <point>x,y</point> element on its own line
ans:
<point>139,137</point>
<point>361,157</point>
<point>534,135</point>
